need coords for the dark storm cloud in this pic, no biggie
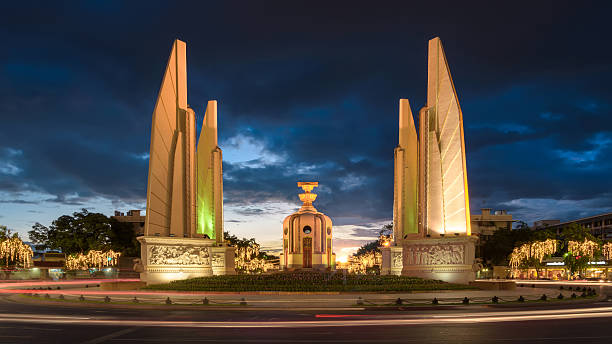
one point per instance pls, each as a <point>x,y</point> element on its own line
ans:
<point>365,232</point>
<point>316,84</point>
<point>19,201</point>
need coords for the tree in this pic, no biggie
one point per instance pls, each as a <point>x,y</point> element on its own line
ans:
<point>81,232</point>
<point>249,259</point>
<point>13,250</point>
<point>39,236</point>
<point>580,248</point>
<point>386,229</point>
<point>374,246</point>
<point>6,233</point>
<point>123,238</point>
<point>85,231</point>
<point>576,232</point>
<point>499,246</point>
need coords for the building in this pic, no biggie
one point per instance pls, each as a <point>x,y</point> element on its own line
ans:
<point>431,213</point>
<point>554,269</point>
<point>486,223</point>
<point>307,236</point>
<point>48,265</point>
<point>599,225</point>
<point>545,223</point>
<point>133,217</point>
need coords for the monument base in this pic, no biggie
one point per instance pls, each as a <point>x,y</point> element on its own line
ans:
<point>319,261</point>
<point>166,259</point>
<point>391,260</point>
<point>449,259</point>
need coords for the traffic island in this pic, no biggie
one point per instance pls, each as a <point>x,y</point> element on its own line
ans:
<point>309,281</point>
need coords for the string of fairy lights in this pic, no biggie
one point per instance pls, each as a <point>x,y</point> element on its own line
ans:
<point>606,250</point>
<point>15,250</point>
<point>92,259</point>
<point>360,264</point>
<point>247,259</point>
<point>583,248</point>
<point>537,250</point>
<point>540,249</point>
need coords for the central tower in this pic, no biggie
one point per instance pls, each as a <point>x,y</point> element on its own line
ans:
<point>307,235</point>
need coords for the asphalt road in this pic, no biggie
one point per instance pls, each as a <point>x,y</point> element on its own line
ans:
<point>37,323</point>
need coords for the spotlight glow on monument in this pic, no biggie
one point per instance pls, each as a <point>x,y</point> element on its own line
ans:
<point>184,220</point>
<point>431,199</point>
<point>210,178</point>
<point>445,199</point>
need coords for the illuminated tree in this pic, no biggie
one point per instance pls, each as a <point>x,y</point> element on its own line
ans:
<point>606,251</point>
<point>580,246</point>
<point>498,247</point>
<point>93,259</point>
<point>365,263</point>
<point>579,254</point>
<point>13,251</point>
<point>585,248</point>
<point>249,258</point>
<point>532,254</point>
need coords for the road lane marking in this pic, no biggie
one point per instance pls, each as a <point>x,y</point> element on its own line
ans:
<point>306,323</point>
<point>110,336</point>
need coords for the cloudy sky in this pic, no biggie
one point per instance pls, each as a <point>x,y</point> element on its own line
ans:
<point>306,91</point>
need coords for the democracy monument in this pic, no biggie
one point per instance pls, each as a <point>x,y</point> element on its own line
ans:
<point>184,220</point>
<point>184,213</point>
<point>431,208</point>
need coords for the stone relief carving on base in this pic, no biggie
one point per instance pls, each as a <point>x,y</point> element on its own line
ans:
<point>138,266</point>
<point>178,255</point>
<point>218,260</point>
<point>434,254</point>
<point>397,260</point>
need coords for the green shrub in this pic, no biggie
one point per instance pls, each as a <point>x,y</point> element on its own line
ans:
<point>307,281</point>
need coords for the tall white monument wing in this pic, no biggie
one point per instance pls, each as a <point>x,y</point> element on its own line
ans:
<point>446,125</point>
<point>168,190</point>
<point>405,205</point>
<point>209,207</point>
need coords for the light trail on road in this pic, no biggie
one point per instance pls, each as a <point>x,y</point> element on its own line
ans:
<point>569,283</point>
<point>460,318</point>
<point>38,283</point>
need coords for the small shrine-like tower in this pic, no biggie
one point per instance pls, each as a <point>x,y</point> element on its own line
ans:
<point>307,236</point>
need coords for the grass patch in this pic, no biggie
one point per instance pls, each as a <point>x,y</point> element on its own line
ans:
<point>308,281</point>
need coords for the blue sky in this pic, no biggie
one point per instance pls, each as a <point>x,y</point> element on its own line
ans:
<point>306,91</point>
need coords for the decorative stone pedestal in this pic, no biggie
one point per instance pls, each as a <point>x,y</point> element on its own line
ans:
<point>307,236</point>
<point>166,259</point>
<point>391,260</point>
<point>448,259</point>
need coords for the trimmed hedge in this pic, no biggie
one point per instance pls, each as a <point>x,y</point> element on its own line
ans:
<point>308,281</point>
